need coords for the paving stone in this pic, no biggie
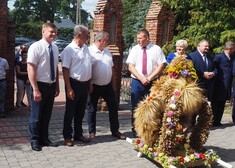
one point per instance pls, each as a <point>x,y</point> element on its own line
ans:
<point>104,151</point>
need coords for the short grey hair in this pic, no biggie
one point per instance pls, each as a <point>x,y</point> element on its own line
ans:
<point>229,44</point>
<point>100,35</point>
<point>181,43</point>
<point>79,29</point>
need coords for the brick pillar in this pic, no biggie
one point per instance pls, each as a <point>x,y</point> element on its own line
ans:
<point>11,29</point>
<point>7,45</point>
<point>105,13</point>
<point>160,23</point>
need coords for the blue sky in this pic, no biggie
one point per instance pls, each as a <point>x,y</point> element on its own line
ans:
<point>88,5</point>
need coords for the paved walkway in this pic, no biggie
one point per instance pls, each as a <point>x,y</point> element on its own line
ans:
<point>104,151</point>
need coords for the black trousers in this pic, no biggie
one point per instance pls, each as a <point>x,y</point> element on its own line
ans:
<point>107,93</point>
<point>75,109</point>
<point>218,110</point>
<point>41,112</point>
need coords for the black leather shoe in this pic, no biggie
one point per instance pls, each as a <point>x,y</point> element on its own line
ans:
<point>82,139</point>
<point>134,133</point>
<point>35,146</point>
<point>49,143</point>
<point>119,135</point>
<point>22,104</point>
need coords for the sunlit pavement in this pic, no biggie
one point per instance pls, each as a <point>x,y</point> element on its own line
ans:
<point>104,151</point>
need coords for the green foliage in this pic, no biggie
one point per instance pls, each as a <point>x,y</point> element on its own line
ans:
<point>65,34</point>
<point>68,10</point>
<point>134,19</point>
<point>30,30</point>
<point>199,19</point>
<point>40,11</point>
<point>33,31</point>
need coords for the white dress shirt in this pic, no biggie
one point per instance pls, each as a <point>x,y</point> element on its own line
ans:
<point>102,63</point>
<point>78,61</point>
<point>38,54</point>
<point>155,57</point>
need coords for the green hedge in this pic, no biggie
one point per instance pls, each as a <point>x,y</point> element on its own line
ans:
<point>33,31</point>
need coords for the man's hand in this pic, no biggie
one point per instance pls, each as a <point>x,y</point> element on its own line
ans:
<point>144,81</point>
<point>208,75</point>
<point>70,94</point>
<point>37,95</point>
<point>57,91</point>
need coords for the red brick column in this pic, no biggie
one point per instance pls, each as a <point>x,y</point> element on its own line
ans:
<point>7,45</point>
<point>159,23</point>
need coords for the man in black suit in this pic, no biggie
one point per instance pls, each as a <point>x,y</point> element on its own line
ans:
<point>203,64</point>
<point>223,82</point>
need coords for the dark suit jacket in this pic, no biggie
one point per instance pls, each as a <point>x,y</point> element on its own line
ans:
<point>223,80</point>
<point>200,68</point>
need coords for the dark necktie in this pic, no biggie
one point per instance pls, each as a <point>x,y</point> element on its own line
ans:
<point>205,61</point>
<point>52,63</point>
<point>144,65</point>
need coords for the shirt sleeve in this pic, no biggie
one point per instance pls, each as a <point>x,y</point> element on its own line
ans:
<point>32,54</point>
<point>161,57</point>
<point>66,57</point>
<point>131,59</point>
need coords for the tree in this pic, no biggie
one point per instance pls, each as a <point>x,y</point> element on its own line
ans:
<point>199,19</point>
<point>134,19</point>
<point>39,11</point>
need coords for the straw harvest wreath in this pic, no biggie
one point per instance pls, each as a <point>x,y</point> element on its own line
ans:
<point>163,120</point>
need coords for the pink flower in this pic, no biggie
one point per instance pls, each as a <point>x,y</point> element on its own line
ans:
<point>177,93</point>
<point>175,75</point>
<point>170,113</point>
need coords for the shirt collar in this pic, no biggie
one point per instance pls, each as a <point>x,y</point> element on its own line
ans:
<point>201,53</point>
<point>44,42</point>
<point>74,45</point>
<point>147,46</point>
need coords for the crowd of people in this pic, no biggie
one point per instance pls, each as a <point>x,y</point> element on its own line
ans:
<point>87,73</point>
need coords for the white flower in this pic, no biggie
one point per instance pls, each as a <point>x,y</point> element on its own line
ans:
<point>168,132</point>
<point>173,106</point>
<point>172,98</point>
<point>168,119</point>
<point>187,159</point>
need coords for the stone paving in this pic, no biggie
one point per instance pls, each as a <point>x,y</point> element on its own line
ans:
<point>104,151</point>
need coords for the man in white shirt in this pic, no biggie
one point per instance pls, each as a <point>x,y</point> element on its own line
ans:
<point>43,76</point>
<point>146,63</point>
<point>102,63</point>
<point>76,65</point>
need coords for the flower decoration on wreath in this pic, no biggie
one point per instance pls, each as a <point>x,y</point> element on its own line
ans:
<point>183,67</point>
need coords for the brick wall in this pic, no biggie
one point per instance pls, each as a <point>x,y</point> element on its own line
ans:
<point>157,15</point>
<point>7,45</point>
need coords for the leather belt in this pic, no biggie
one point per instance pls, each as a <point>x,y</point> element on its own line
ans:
<point>46,84</point>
